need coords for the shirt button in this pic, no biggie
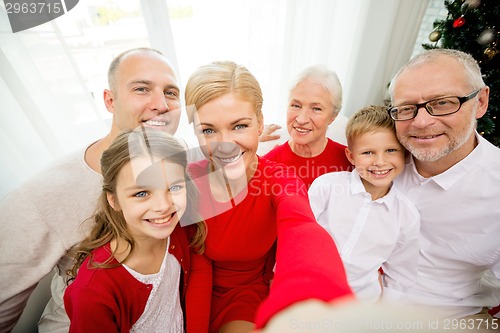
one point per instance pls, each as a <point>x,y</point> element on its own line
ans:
<point>172,247</point>
<point>181,259</point>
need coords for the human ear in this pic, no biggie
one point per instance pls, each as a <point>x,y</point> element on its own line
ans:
<point>482,101</point>
<point>109,98</point>
<point>349,155</point>
<point>260,121</point>
<point>113,202</point>
<point>332,118</point>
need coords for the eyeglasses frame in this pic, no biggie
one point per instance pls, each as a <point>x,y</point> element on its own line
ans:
<point>462,100</point>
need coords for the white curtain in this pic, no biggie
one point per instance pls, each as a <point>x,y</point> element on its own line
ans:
<point>385,42</point>
<point>364,41</point>
<point>47,108</point>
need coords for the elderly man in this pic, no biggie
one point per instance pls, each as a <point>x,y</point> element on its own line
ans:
<point>453,178</point>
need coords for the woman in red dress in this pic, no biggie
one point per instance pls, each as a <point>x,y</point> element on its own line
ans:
<point>257,211</point>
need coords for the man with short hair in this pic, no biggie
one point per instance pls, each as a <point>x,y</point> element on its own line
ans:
<point>453,178</point>
<point>49,214</point>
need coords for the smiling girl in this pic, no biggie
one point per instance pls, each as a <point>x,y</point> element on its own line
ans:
<point>138,269</point>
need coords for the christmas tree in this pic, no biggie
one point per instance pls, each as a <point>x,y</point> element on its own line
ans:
<point>473,26</point>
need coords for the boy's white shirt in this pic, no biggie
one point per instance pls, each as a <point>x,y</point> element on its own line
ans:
<point>368,234</point>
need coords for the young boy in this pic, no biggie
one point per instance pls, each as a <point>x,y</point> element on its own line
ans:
<point>373,224</point>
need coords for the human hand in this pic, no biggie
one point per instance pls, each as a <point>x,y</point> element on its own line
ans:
<point>267,133</point>
<point>348,315</point>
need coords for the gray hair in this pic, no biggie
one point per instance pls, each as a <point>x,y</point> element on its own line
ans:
<point>328,79</point>
<point>471,68</point>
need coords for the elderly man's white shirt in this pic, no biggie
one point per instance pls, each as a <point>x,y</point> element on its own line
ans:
<point>459,263</point>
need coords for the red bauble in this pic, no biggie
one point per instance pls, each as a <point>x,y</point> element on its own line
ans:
<point>459,22</point>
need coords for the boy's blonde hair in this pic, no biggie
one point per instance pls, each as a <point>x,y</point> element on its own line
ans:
<point>366,120</point>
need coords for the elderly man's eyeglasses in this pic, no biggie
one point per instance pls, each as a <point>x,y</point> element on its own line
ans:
<point>437,107</point>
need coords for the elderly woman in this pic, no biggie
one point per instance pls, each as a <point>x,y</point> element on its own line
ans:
<point>314,103</point>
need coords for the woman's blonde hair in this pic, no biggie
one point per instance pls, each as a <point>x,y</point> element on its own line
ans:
<point>219,78</point>
<point>110,224</point>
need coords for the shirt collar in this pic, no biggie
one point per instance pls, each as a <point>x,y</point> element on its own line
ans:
<point>448,178</point>
<point>357,187</point>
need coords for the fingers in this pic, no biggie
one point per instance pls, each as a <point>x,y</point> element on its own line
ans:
<point>267,133</point>
<point>269,138</point>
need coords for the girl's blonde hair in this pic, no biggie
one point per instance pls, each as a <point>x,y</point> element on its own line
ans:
<point>219,78</point>
<point>366,120</point>
<point>110,224</point>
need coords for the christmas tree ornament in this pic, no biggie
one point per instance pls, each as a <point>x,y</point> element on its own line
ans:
<point>459,22</point>
<point>473,26</point>
<point>489,53</point>
<point>486,37</point>
<point>472,3</point>
<point>435,36</point>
